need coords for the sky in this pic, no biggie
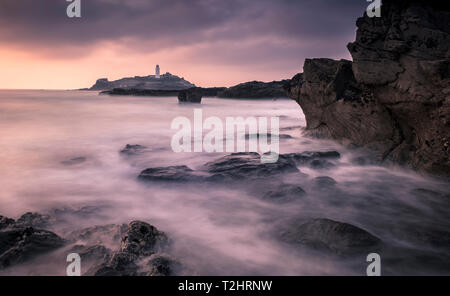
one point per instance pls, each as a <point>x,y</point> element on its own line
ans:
<point>208,42</point>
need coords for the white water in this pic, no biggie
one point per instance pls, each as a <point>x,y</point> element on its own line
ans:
<point>216,231</point>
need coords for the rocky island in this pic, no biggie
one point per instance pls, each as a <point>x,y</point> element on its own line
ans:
<point>152,82</point>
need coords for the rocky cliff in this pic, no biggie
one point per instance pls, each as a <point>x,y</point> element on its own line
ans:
<point>394,98</point>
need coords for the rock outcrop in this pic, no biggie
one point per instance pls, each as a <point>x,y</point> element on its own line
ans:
<point>255,89</point>
<point>394,98</point>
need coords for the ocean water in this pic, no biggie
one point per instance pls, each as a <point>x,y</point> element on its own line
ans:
<point>215,230</point>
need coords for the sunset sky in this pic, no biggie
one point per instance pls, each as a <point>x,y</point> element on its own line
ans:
<point>208,42</point>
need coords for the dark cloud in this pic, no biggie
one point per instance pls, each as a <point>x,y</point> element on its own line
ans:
<point>174,22</point>
<point>256,36</point>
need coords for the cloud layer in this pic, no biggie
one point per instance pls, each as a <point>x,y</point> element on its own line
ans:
<point>250,36</point>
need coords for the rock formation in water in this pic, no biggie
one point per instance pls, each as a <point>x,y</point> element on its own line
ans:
<point>191,95</point>
<point>255,90</point>
<point>394,98</point>
<point>165,82</point>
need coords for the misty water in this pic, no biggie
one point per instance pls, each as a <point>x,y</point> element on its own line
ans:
<point>60,150</point>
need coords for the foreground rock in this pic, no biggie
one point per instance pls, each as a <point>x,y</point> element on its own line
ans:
<point>140,245</point>
<point>19,243</point>
<point>338,238</point>
<point>394,98</point>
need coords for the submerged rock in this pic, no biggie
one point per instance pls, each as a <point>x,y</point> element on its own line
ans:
<point>241,166</point>
<point>131,150</point>
<point>74,161</point>
<point>324,182</point>
<point>284,193</point>
<point>336,237</point>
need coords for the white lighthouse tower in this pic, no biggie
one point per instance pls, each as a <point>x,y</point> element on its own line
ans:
<point>157,72</point>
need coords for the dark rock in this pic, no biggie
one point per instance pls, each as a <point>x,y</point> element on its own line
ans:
<point>191,95</point>
<point>143,239</point>
<point>35,220</point>
<point>321,164</point>
<point>170,174</point>
<point>269,136</point>
<point>394,97</point>
<point>336,237</point>
<point>255,89</point>
<point>162,265</point>
<point>308,156</point>
<point>74,161</point>
<point>140,242</point>
<point>18,244</point>
<point>242,166</point>
<point>284,193</point>
<point>6,222</point>
<point>324,182</point>
<point>131,150</point>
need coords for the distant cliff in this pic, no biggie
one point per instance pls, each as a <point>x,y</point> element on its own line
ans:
<point>166,82</point>
<point>394,98</point>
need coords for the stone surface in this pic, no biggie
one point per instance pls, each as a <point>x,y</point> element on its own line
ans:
<point>282,193</point>
<point>395,97</point>
<point>336,237</point>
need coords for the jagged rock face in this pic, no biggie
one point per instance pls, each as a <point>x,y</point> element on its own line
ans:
<point>395,96</point>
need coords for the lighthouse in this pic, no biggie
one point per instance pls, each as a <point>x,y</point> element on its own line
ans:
<point>157,72</point>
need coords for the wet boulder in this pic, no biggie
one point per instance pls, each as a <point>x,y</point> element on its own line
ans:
<point>338,238</point>
<point>117,264</point>
<point>307,157</point>
<point>324,182</point>
<point>91,253</point>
